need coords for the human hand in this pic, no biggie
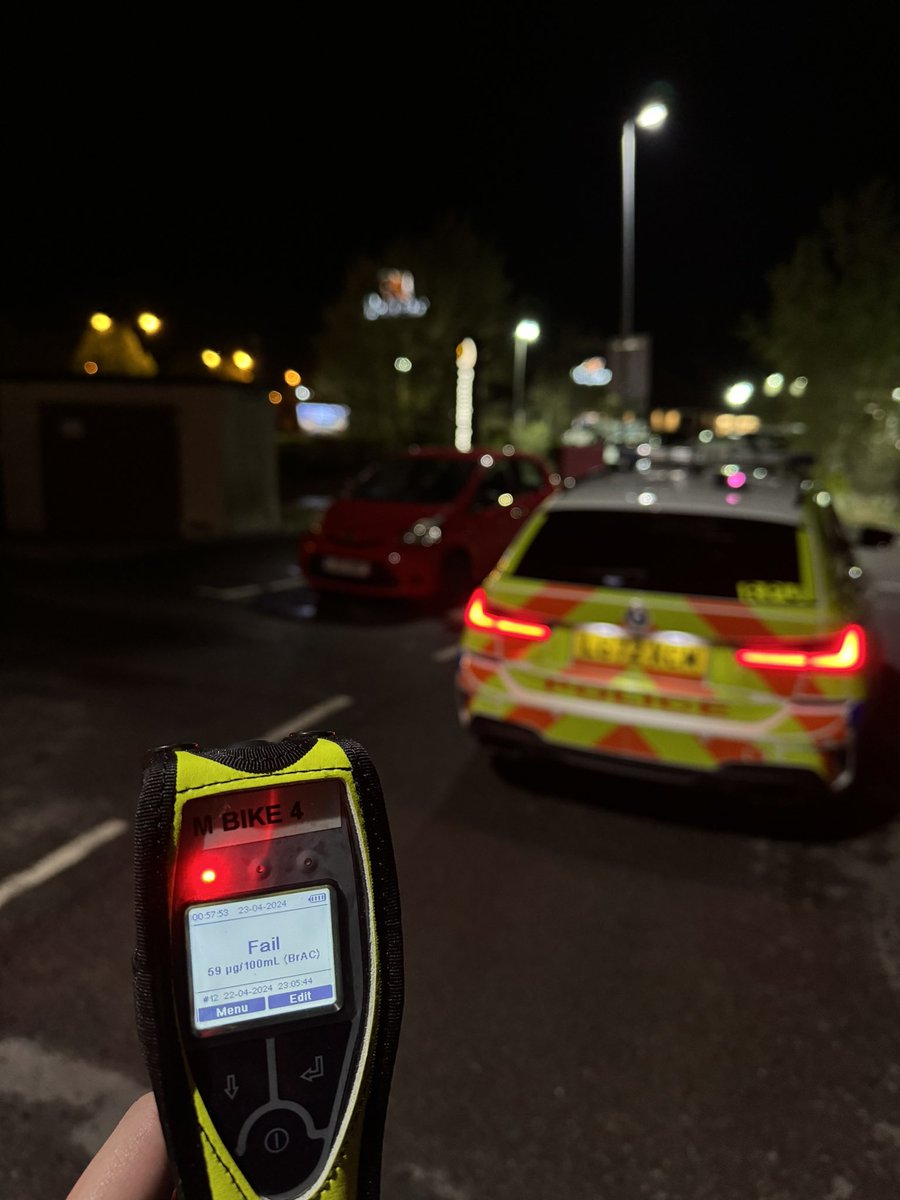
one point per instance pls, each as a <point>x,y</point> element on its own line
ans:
<point>132,1163</point>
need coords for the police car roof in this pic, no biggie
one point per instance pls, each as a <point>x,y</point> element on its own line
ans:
<point>774,497</point>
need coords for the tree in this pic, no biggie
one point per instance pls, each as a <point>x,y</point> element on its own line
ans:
<point>834,319</point>
<point>468,295</point>
<point>117,351</point>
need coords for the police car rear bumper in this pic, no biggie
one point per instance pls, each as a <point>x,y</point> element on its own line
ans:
<point>791,783</point>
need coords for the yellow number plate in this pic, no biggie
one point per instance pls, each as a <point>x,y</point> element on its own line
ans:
<point>668,657</point>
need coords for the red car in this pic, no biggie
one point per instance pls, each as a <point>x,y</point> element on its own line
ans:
<point>426,524</point>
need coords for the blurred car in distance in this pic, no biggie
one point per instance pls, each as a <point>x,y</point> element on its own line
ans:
<point>424,525</point>
<point>700,451</point>
<point>664,623</point>
<point>749,450</point>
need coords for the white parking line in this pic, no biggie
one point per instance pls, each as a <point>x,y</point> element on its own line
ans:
<point>60,860</point>
<point>80,847</point>
<point>245,591</point>
<point>31,1074</point>
<point>310,718</point>
<point>284,585</point>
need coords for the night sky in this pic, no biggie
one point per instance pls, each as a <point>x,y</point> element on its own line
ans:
<point>229,185</point>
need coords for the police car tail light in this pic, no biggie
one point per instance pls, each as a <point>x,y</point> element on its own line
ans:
<point>480,617</point>
<point>843,654</point>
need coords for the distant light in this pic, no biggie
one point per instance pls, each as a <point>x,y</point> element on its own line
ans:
<point>402,364</point>
<point>527,330</point>
<point>705,435</point>
<point>508,449</point>
<point>671,420</point>
<point>91,368</point>
<point>736,479</point>
<point>773,384</point>
<point>396,297</point>
<point>149,323</point>
<point>652,115</point>
<point>101,322</point>
<point>242,360</point>
<point>466,358</point>
<point>644,449</point>
<point>823,499</point>
<point>798,386</point>
<point>855,572</point>
<point>895,394</point>
<point>208,875</point>
<point>302,392</point>
<point>211,359</point>
<point>736,424</point>
<point>592,372</point>
<point>292,378</point>
<point>760,472</point>
<point>505,499</point>
<point>732,498</point>
<point>318,418</point>
<point>487,460</point>
<point>275,397</point>
<point>466,353</point>
<point>738,394</point>
<point>646,498</point>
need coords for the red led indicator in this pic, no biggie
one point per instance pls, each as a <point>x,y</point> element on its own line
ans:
<point>208,875</point>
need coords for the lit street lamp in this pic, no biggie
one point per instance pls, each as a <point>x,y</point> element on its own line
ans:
<point>651,116</point>
<point>738,394</point>
<point>526,331</point>
<point>112,346</point>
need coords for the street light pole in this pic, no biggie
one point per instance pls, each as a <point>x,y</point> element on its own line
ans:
<point>526,331</point>
<point>626,316</point>
<point>651,116</point>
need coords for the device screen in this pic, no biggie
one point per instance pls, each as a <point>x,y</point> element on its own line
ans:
<point>263,957</point>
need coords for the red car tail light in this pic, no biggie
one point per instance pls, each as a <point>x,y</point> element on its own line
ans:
<point>845,653</point>
<point>478,616</point>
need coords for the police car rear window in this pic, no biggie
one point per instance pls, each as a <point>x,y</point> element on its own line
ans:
<point>660,552</point>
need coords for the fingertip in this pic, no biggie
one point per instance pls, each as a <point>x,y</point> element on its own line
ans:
<point>132,1162</point>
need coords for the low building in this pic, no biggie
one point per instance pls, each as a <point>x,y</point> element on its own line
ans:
<point>98,459</point>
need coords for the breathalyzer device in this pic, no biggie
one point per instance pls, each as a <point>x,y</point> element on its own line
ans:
<point>268,968</point>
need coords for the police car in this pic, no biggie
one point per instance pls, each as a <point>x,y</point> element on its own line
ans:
<point>680,625</point>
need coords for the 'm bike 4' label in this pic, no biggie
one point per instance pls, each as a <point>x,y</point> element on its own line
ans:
<point>227,819</point>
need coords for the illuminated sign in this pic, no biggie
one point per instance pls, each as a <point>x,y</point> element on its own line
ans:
<point>315,417</point>
<point>466,357</point>
<point>396,297</point>
<point>593,372</point>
